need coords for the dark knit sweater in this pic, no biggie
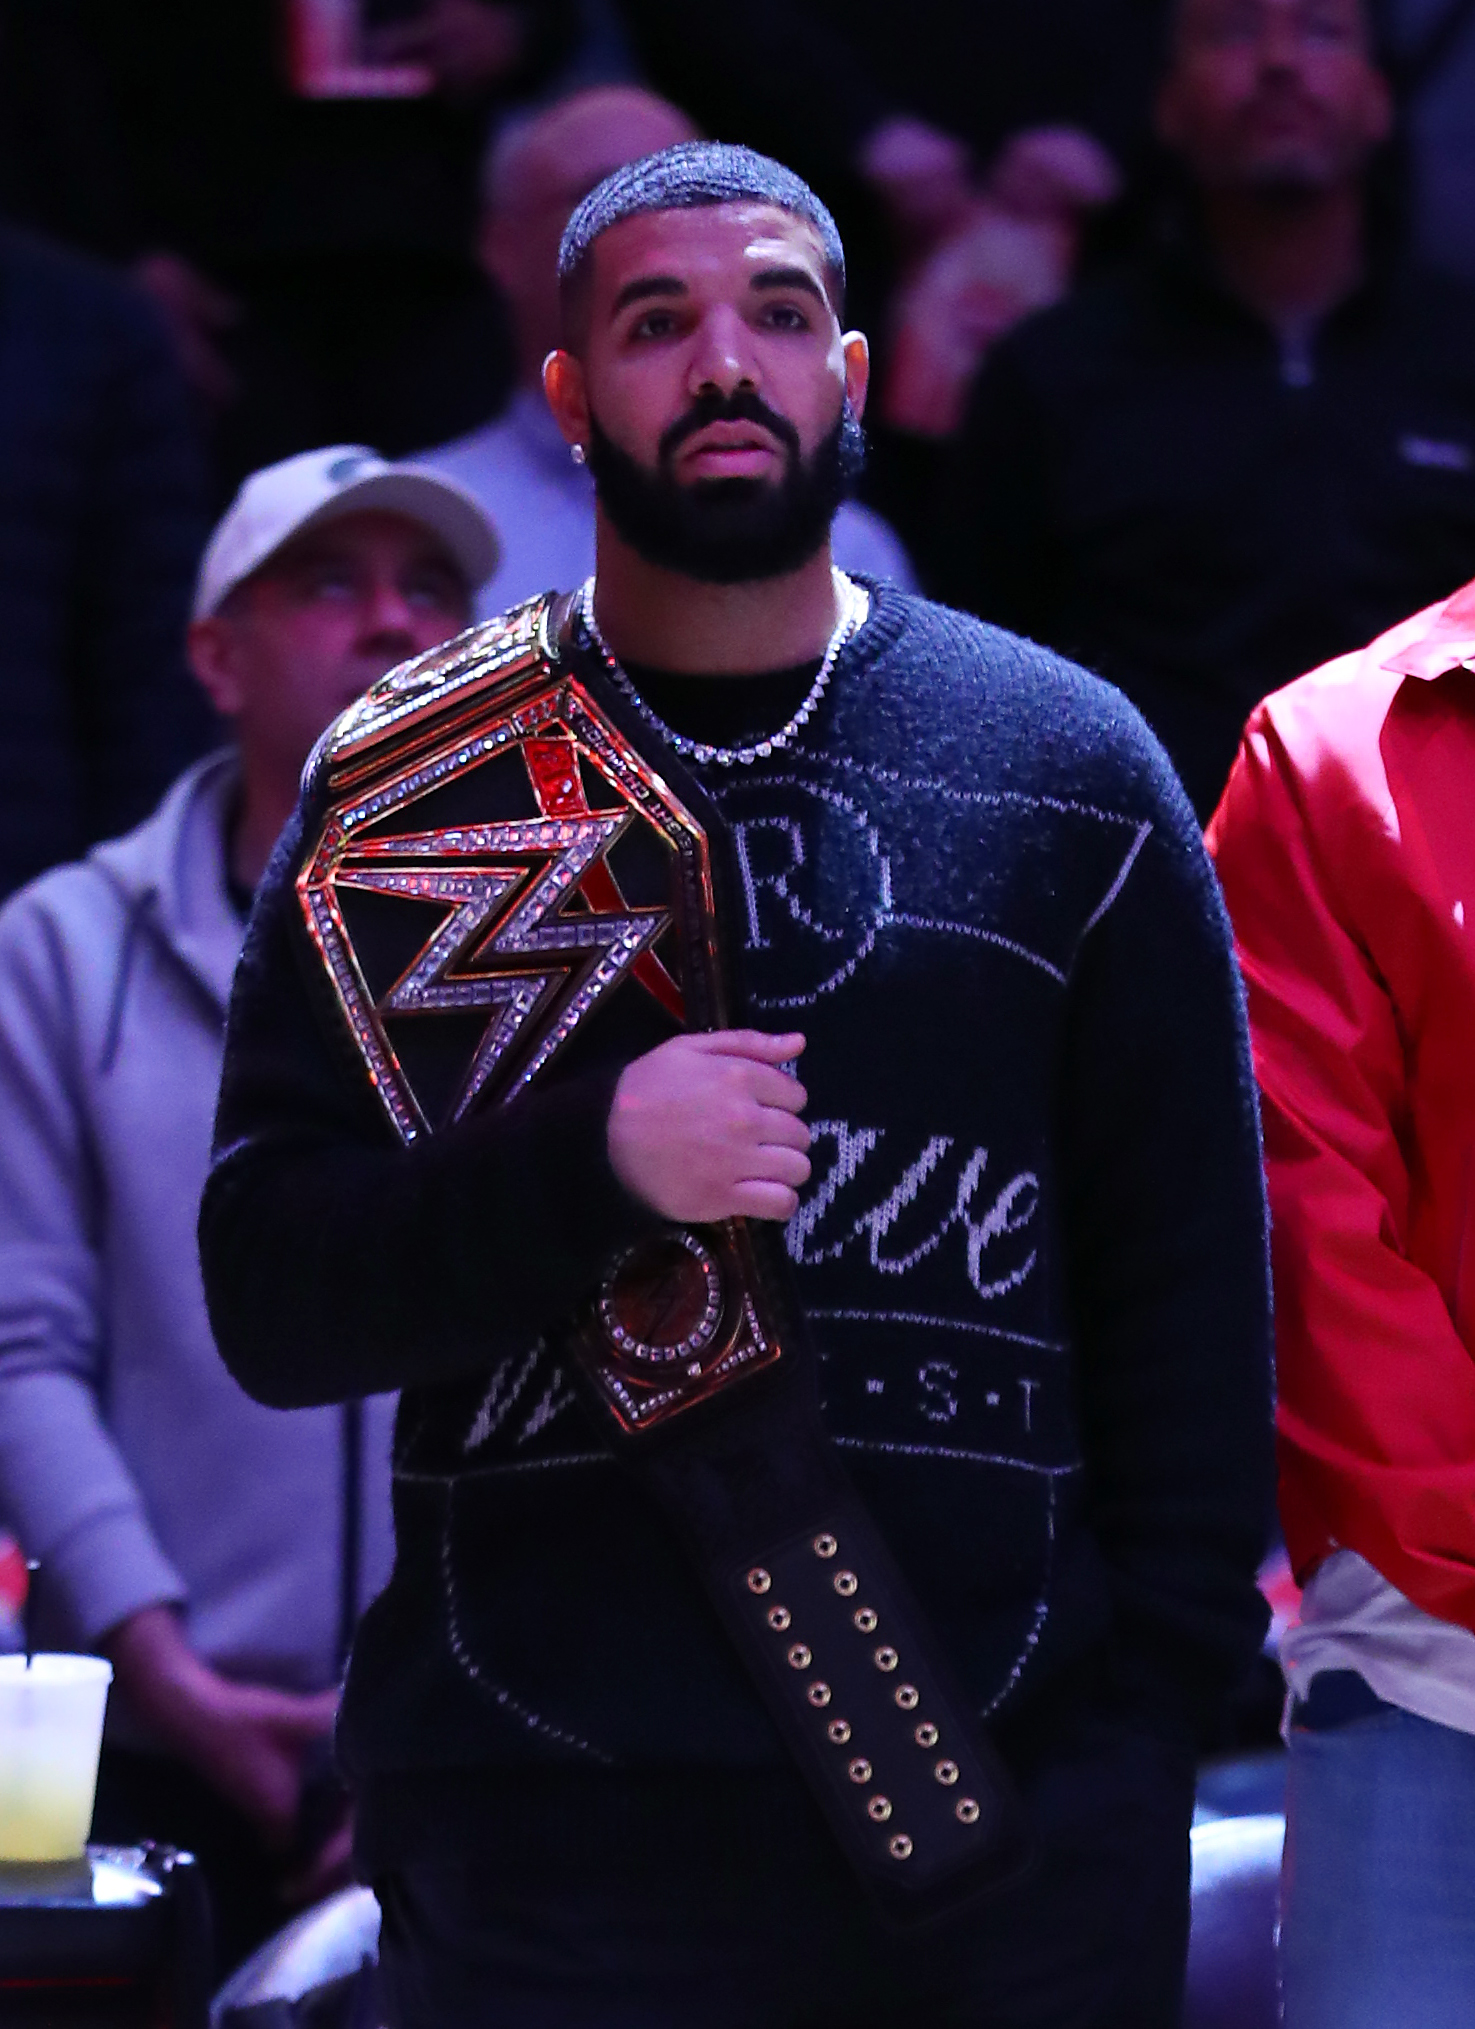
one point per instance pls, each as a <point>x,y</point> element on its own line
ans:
<point>1032,1254</point>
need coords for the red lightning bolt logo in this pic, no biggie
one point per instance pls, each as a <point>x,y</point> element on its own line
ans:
<point>509,942</point>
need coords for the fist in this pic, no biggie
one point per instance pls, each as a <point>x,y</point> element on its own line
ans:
<point>707,1127</point>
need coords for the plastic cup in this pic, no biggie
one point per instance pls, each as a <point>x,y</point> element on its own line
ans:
<point>50,1735</point>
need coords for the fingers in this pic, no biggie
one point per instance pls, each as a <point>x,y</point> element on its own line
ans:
<point>777,1165</point>
<point>758,1199</point>
<point>751,1043</point>
<point>774,1089</point>
<point>773,1129</point>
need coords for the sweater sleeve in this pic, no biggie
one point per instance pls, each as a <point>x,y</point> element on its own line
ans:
<point>1377,1390</point>
<point>1167,1263</point>
<point>64,1486</point>
<point>339,1262</point>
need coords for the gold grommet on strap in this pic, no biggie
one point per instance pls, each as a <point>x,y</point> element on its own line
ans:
<point>758,1579</point>
<point>966,1811</point>
<point>865,1618</point>
<point>946,1773</point>
<point>846,1584</point>
<point>839,1731</point>
<point>900,1847</point>
<point>859,1769</point>
<point>926,1734</point>
<point>879,1809</point>
<point>825,1546</point>
<point>818,1693</point>
<point>886,1659</point>
<point>779,1618</point>
<point>908,1697</point>
<point>799,1657</point>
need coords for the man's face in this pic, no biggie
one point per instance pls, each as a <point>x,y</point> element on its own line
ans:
<point>711,389</point>
<point>320,621</point>
<point>1273,95</point>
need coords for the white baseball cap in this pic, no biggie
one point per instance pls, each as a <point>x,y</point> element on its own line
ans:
<point>281,500</point>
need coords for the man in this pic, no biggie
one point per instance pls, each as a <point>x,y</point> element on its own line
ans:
<point>1348,861</point>
<point>1255,448</point>
<point>1030,1254</point>
<point>102,517</point>
<point>216,1551</point>
<point>518,466</point>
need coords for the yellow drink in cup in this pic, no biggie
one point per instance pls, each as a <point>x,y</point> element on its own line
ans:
<point>51,1715</point>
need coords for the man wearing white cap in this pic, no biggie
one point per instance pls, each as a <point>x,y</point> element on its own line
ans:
<point>216,1551</point>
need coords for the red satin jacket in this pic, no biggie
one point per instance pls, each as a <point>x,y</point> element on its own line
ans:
<point>1345,841</point>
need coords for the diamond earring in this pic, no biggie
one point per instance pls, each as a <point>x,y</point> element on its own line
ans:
<point>576,452</point>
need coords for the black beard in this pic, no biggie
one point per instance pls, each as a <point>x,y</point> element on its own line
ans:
<point>729,531</point>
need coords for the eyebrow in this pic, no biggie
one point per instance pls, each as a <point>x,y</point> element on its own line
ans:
<point>791,278</point>
<point>647,285</point>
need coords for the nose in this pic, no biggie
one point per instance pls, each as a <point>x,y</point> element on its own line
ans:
<point>722,359</point>
<point>386,616</point>
<point>1281,43</point>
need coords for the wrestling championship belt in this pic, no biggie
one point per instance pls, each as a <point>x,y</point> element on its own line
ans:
<point>581,892</point>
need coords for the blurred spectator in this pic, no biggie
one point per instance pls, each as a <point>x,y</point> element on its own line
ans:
<point>1012,251</point>
<point>218,1552</point>
<point>102,514</point>
<point>1258,444</point>
<point>307,227</point>
<point>518,466</point>
<point>961,143</point>
<point>1346,845</point>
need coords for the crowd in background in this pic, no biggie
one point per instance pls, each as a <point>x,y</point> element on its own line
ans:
<point>1122,405</point>
<point>1112,410</point>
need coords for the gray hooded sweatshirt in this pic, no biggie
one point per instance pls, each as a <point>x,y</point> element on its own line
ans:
<point>130,1462</point>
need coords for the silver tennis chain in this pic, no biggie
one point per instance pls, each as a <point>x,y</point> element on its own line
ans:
<point>854,602</point>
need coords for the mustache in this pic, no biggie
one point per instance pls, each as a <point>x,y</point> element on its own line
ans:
<point>742,407</point>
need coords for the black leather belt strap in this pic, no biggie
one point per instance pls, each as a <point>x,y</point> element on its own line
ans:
<point>837,1647</point>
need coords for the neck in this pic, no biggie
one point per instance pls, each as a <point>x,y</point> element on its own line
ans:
<point>1289,257</point>
<point>266,802</point>
<point>665,621</point>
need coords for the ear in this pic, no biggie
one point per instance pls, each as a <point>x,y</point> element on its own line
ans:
<point>857,369</point>
<point>212,647</point>
<point>563,384</point>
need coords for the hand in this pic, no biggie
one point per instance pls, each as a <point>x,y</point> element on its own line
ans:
<point>922,175</point>
<point>972,288</point>
<point>1053,171</point>
<point>707,1127</point>
<point>248,1740</point>
<point>197,314</point>
<point>329,1869</point>
<point>467,44</point>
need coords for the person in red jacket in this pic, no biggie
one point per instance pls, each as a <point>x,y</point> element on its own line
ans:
<point>1345,842</point>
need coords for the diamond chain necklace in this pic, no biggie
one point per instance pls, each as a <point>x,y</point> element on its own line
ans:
<point>854,602</point>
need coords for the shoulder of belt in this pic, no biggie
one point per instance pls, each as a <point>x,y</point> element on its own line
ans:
<point>477,666</point>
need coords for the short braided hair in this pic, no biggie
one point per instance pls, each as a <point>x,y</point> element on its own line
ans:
<point>682,178</point>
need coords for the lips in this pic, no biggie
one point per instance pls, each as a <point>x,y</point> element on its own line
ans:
<point>729,450</point>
